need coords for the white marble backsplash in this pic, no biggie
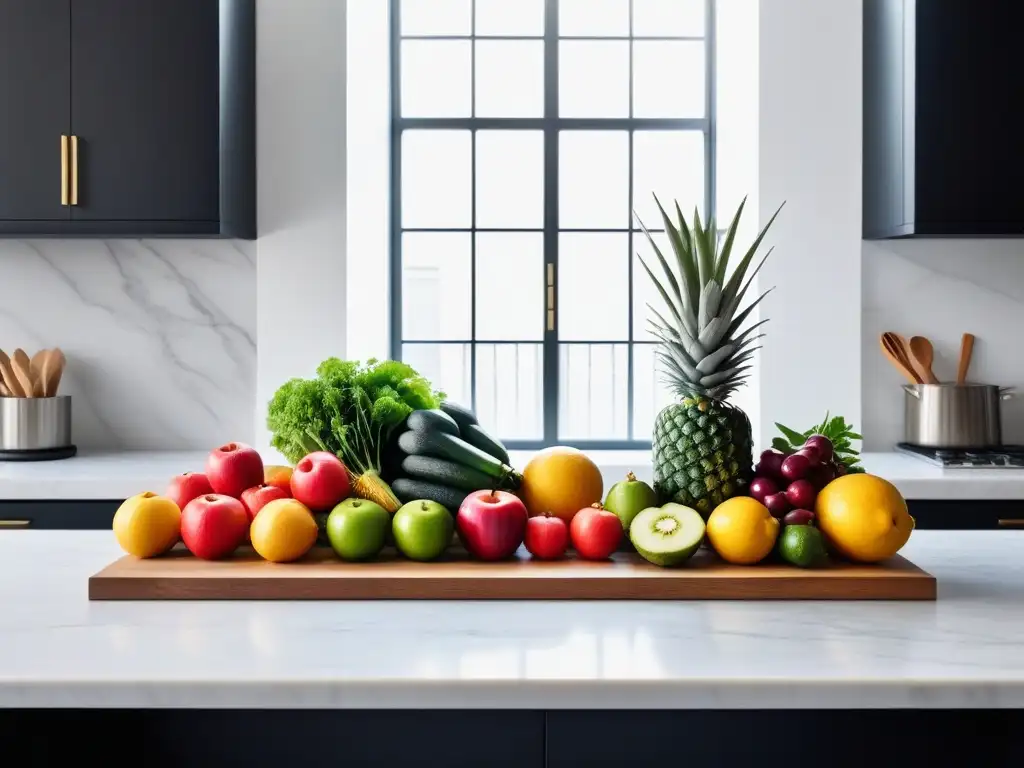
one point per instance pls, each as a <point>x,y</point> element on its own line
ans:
<point>941,289</point>
<point>160,335</point>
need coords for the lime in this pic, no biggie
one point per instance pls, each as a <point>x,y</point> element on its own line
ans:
<point>628,498</point>
<point>802,546</point>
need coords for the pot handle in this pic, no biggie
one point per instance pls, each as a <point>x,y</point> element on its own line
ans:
<point>911,389</point>
<point>1007,393</point>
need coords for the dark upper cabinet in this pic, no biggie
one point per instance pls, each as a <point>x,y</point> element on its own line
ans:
<point>157,101</point>
<point>943,118</point>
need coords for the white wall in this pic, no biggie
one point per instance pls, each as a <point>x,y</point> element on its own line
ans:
<point>810,156</point>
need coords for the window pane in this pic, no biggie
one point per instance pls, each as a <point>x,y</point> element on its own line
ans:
<point>510,179</point>
<point>446,366</point>
<point>650,393</point>
<point>593,188</point>
<point>644,290</point>
<point>502,17</point>
<point>436,179</point>
<point>593,79</point>
<point>435,78</point>
<point>598,18</point>
<point>436,285</point>
<point>593,293</point>
<point>593,393</point>
<point>668,18</point>
<point>668,79</point>
<point>509,286</point>
<point>671,165</point>
<point>436,17</point>
<point>510,78</point>
<point>510,390</point>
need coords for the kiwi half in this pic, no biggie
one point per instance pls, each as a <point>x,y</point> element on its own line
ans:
<point>667,535</point>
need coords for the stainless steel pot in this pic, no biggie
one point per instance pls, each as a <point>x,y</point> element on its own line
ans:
<point>953,415</point>
<point>35,423</point>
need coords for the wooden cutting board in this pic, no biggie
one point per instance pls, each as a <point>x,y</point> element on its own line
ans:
<point>321,576</point>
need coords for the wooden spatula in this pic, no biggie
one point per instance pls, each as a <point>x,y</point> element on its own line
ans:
<point>966,350</point>
<point>23,370</point>
<point>7,372</point>
<point>53,369</point>
<point>893,349</point>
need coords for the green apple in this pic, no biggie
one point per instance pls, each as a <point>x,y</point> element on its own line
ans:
<point>357,528</point>
<point>422,529</point>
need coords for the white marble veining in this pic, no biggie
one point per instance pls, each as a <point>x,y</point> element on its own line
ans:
<point>119,474</point>
<point>941,289</point>
<point>159,335</point>
<point>59,649</point>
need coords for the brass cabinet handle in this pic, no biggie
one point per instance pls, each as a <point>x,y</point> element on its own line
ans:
<point>551,296</point>
<point>15,523</point>
<point>63,170</point>
<point>1011,522</point>
<point>74,170</point>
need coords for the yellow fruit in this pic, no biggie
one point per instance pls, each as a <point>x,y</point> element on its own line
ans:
<point>561,481</point>
<point>864,517</point>
<point>147,524</point>
<point>742,530</point>
<point>283,531</point>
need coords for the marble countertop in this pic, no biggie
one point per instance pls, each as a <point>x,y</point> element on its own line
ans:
<point>57,649</point>
<point>119,475</point>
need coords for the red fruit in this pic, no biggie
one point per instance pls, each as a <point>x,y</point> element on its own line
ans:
<point>801,494</point>
<point>234,467</point>
<point>547,537</point>
<point>595,532</point>
<point>492,524</point>
<point>813,454</point>
<point>777,504</point>
<point>798,517</point>
<point>761,487</point>
<point>187,486</point>
<point>320,481</point>
<point>212,526</point>
<point>257,497</point>
<point>795,467</point>
<point>822,444</point>
<point>821,475</point>
<point>770,464</point>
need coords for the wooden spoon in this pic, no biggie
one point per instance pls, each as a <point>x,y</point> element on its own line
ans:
<point>966,349</point>
<point>36,366</point>
<point>53,369</point>
<point>4,391</point>
<point>922,354</point>
<point>893,349</point>
<point>23,370</point>
<point>7,372</point>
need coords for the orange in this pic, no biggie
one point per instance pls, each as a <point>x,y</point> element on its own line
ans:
<point>742,530</point>
<point>864,517</point>
<point>562,481</point>
<point>284,530</point>
<point>147,525</point>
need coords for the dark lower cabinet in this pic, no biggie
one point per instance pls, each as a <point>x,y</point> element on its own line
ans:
<point>85,515</point>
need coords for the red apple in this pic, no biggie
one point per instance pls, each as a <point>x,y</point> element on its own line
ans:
<point>547,536</point>
<point>187,486</point>
<point>596,532</point>
<point>320,481</point>
<point>257,497</point>
<point>492,524</point>
<point>212,526</point>
<point>234,467</point>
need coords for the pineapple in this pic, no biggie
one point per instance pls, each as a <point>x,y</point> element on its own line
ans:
<point>702,444</point>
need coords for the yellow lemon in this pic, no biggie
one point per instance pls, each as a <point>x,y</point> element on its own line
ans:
<point>742,530</point>
<point>147,524</point>
<point>864,517</point>
<point>284,530</point>
<point>562,481</point>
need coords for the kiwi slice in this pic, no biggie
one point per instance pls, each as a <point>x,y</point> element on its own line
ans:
<point>667,535</point>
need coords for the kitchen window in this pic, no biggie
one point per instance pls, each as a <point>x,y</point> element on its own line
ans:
<point>523,136</point>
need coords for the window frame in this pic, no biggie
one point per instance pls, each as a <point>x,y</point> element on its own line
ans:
<point>550,125</point>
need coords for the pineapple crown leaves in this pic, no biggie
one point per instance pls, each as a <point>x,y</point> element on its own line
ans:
<point>836,429</point>
<point>702,346</point>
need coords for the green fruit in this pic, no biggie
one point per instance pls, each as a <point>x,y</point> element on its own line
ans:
<point>802,546</point>
<point>422,529</point>
<point>356,529</point>
<point>628,497</point>
<point>667,535</point>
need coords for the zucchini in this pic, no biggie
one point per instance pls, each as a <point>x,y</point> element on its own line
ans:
<point>445,472</point>
<point>444,446</point>
<point>432,421</point>
<point>462,416</point>
<point>476,435</point>
<point>408,490</point>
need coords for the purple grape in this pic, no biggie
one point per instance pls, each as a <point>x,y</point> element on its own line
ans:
<point>798,517</point>
<point>795,467</point>
<point>821,475</point>
<point>813,454</point>
<point>770,464</point>
<point>823,444</point>
<point>801,494</point>
<point>763,486</point>
<point>777,504</point>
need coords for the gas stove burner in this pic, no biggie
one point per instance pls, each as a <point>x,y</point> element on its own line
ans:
<point>1001,457</point>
